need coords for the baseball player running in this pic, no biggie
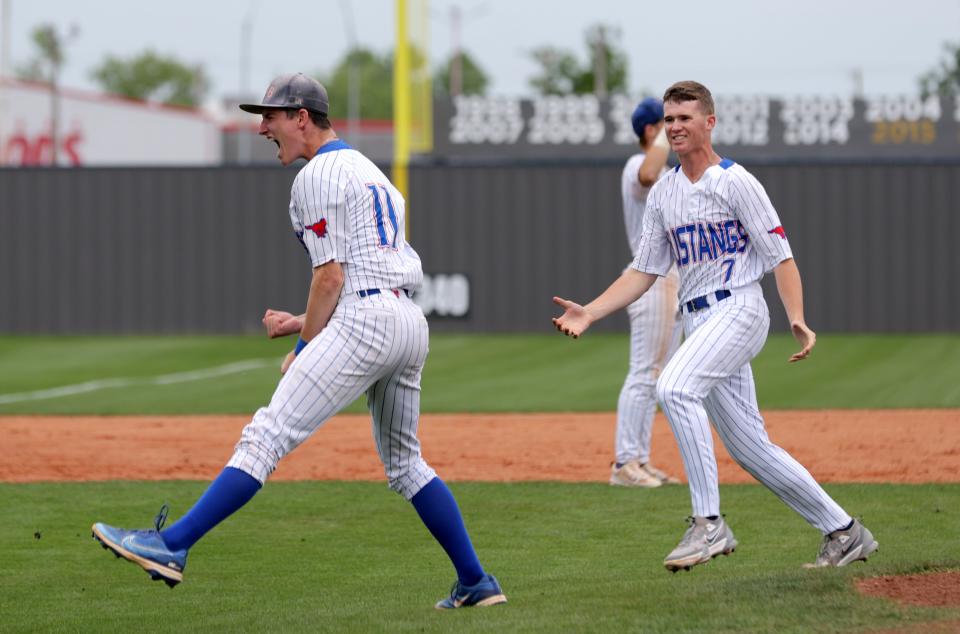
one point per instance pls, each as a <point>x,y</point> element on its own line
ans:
<point>714,220</point>
<point>361,333</point>
<point>654,319</point>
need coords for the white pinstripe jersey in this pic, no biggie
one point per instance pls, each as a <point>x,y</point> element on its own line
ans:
<point>722,231</point>
<point>344,208</point>
<point>634,200</point>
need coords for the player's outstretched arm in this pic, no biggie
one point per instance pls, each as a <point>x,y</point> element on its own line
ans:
<point>624,291</point>
<point>280,323</point>
<point>658,149</point>
<point>790,289</point>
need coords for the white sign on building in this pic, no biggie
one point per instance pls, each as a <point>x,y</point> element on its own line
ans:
<point>102,130</point>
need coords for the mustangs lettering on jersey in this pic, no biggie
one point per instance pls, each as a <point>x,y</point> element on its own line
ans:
<point>702,241</point>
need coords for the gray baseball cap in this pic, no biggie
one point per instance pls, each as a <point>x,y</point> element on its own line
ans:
<point>292,92</point>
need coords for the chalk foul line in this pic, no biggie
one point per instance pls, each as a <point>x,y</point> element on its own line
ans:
<point>164,379</point>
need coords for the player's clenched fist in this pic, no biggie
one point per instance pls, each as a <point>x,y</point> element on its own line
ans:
<point>280,324</point>
<point>574,320</point>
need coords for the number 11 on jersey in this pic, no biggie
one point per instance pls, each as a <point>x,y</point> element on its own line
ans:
<point>382,229</point>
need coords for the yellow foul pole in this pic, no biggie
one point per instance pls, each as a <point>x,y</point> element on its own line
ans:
<point>401,106</point>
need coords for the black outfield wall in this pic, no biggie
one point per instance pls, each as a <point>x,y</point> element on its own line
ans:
<point>155,250</point>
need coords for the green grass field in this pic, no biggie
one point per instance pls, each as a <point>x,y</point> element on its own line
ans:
<point>477,373</point>
<point>353,557</point>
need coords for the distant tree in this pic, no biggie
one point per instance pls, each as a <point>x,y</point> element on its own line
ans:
<point>49,57</point>
<point>45,67</point>
<point>474,80</point>
<point>375,79</point>
<point>558,71</point>
<point>561,73</point>
<point>943,80</point>
<point>153,77</point>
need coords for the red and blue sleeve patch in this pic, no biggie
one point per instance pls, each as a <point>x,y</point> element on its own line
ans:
<point>319,228</point>
<point>779,231</point>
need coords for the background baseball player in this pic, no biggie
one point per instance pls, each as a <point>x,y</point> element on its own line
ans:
<point>654,318</point>
<point>361,333</point>
<point>714,219</point>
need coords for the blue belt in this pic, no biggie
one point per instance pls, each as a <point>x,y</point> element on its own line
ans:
<point>699,303</point>
<point>376,291</point>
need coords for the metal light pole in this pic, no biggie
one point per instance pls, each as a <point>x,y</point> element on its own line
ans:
<point>4,74</point>
<point>56,61</point>
<point>457,16</point>
<point>246,31</point>
<point>600,62</point>
<point>456,59</point>
<point>353,72</point>
<point>54,51</point>
<point>856,75</point>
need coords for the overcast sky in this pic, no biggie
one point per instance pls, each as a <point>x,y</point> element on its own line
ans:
<point>734,47</point>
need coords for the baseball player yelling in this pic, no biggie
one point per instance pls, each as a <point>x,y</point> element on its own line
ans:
<point>361,334</point>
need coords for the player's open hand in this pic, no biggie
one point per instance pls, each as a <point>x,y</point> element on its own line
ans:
<point>280,324</point>
<point>806,337</point>
<point>574,320</point>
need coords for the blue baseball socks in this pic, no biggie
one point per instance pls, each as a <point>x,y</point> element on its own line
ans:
<point>232,489</point>
<point>438,510</point>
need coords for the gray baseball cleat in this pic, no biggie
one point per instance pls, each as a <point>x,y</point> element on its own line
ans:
<point>840,548</point>
<point>704,540</point>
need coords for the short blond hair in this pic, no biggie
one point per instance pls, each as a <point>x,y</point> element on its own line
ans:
<point>690,91</point>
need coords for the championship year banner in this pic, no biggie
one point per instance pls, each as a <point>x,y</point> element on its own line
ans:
<point>748,127</point>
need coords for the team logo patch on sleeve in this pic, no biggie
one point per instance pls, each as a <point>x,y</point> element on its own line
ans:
<point>779,231</point>
<point>319,228</point>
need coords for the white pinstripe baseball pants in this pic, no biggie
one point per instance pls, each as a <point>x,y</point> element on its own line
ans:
<point>654,336</point>
<point>376,345</point>
<point>710,374</point>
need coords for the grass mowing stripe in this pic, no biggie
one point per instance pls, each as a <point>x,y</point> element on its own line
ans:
<point>476,373</point>
<point>353,557</point>
<point>166,379</point>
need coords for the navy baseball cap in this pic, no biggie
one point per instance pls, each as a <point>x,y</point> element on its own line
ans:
<point>292,92</point>
<point>647,112</point>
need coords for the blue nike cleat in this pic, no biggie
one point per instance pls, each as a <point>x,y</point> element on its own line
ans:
<point>485,592</point>
<point>145,548</point>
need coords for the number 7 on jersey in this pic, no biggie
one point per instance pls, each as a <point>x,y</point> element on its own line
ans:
<point>729,266</point>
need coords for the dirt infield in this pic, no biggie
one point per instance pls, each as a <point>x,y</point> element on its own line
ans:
<point>836,446</point>
<point>934,589</point>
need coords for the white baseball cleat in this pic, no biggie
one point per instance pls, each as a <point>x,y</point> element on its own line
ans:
<point>659,475</point>
<point>631,474</point>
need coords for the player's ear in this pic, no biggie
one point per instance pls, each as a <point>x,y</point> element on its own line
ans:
<point>711,121</point>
